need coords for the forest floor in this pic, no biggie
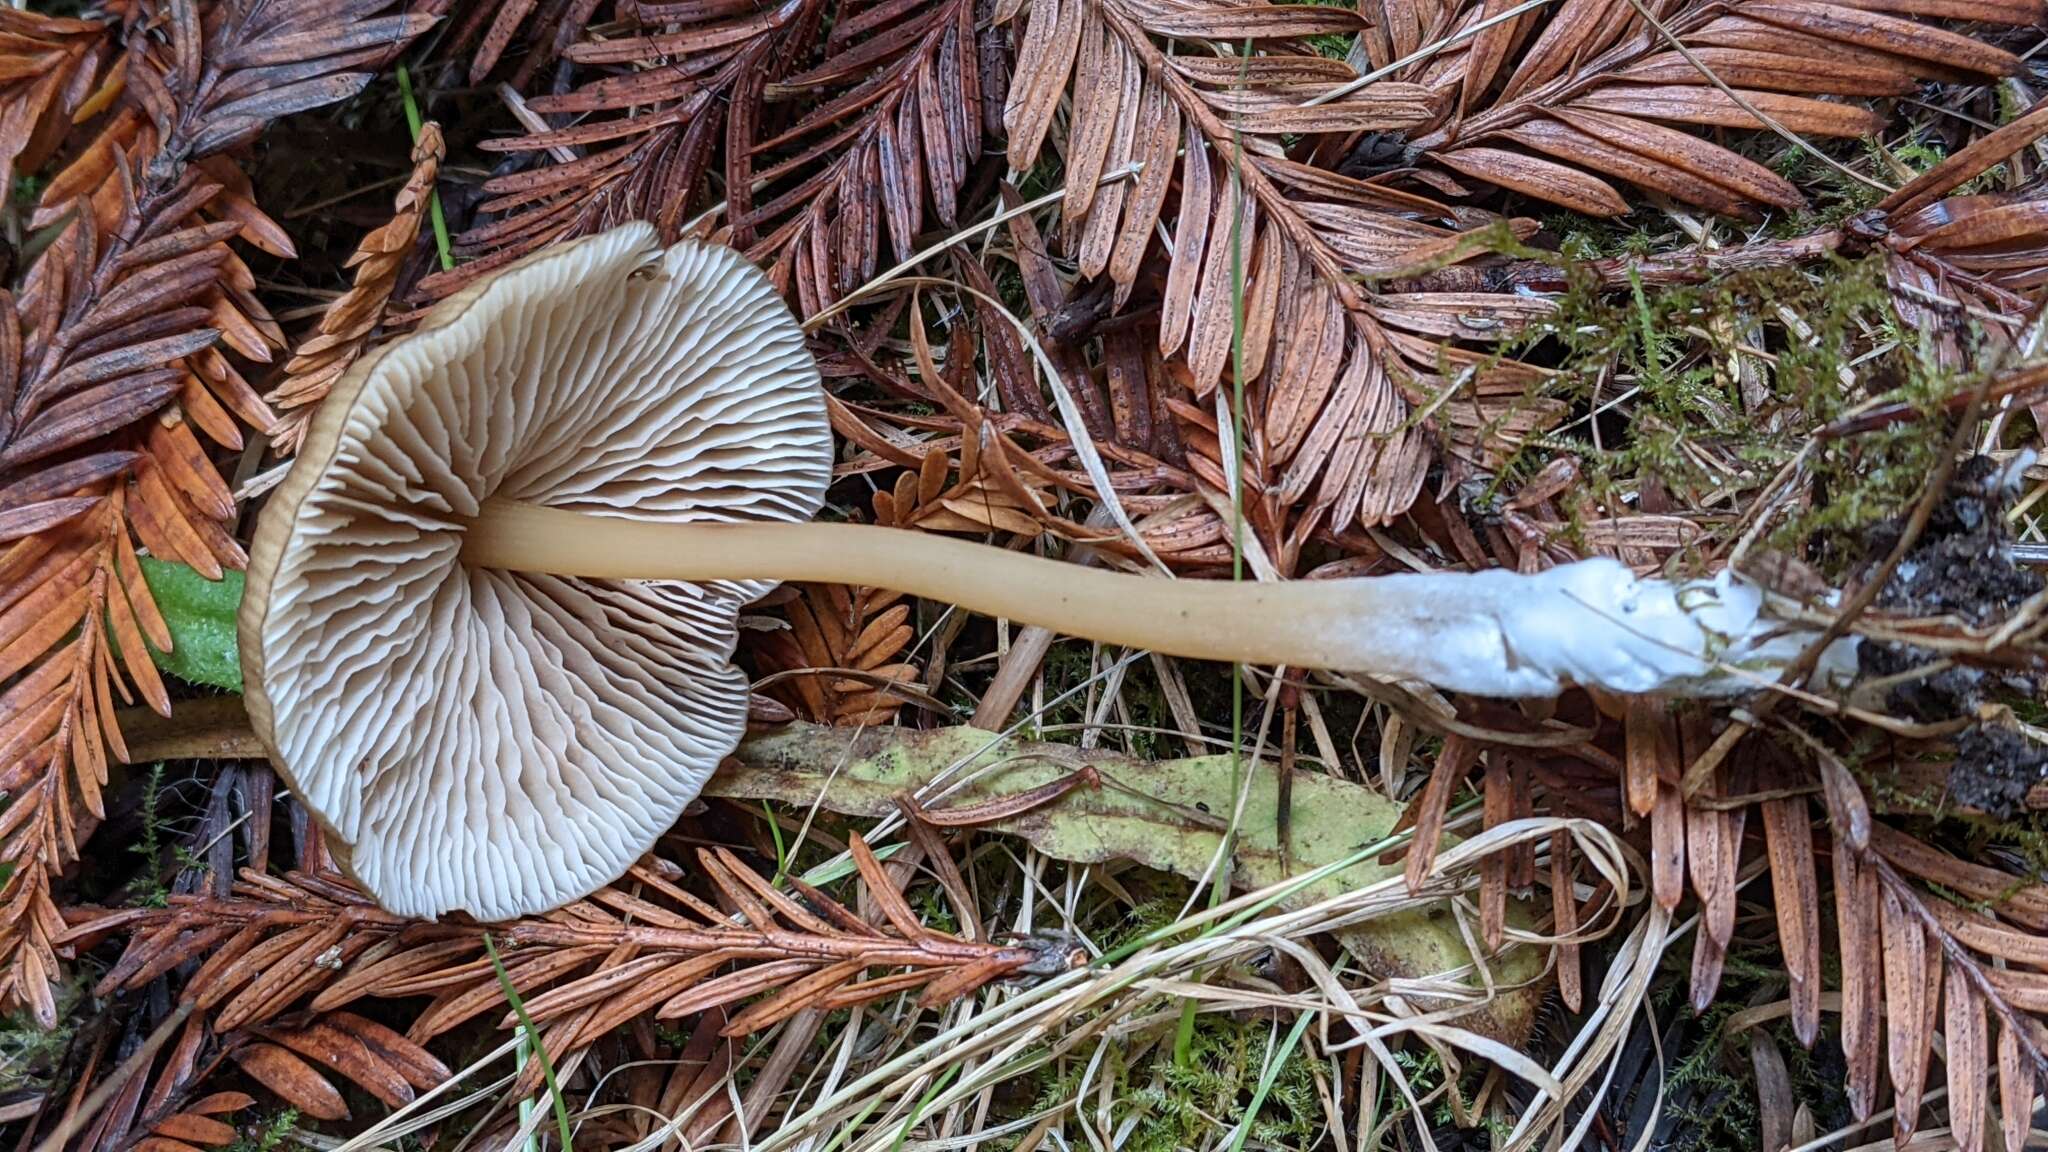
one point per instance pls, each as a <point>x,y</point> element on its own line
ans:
<point>1235,291</point>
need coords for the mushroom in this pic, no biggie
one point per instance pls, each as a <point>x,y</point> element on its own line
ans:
<point>491,610</point>
<point>502,742</point>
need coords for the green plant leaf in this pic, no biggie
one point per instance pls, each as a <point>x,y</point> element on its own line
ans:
<point>201,615</point>
<point>1168,814</point>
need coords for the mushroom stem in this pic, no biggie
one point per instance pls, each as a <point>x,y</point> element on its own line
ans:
<point>1493,633</point>
<point>1281,623</point>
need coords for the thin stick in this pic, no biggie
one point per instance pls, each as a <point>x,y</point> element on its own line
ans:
<point>129,1069</point>
<point>1697,773</point>
<point>1761,117</point>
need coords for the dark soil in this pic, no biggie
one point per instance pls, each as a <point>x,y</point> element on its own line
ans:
<point>1995,769</point>
<point>1944,695</point>
<point>1961,567</point>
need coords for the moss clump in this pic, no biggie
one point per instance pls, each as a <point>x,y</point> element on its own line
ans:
<point>28,1054</point>
<point>1186,1102</point>
<point>1711,389</point>
<point>1586,238</point>
<point>275,1132</point>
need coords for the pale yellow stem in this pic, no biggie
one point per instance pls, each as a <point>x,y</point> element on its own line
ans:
<point>1303,624</point>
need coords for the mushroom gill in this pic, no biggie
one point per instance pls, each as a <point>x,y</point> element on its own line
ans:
<point>502,742</point>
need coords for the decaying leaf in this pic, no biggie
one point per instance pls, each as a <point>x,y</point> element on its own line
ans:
<point>294,1080</point>
<point>1796,896</point>
<point>1167,815</point>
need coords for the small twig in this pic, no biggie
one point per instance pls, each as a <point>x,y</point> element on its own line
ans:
<point>1916,525</point>
<point>2011,384</point>
<point>1422,53</point>
<point>209,728</point>
<point>888,276</point>
<point>129,1069</point>
<point>1736,803</point>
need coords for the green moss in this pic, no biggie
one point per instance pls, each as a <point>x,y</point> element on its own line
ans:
<point>1876,475</point>
<point>1070,665</point>
<point>2027,836</point>
<point>933,910</point>
<point>26,191</point>
<point>1186,1103</point>
<point>1152,913</point>
<point>1586,238</point>
<point>1010,290</point>
<point>1332,45</point>
<point>150,845</point>
<point>28,1053</point>
<point>1922,155</point>
<point>1720,1107</point>
<point>1686,421</point>
<point>276,1132</point>
<point>1045,176</point>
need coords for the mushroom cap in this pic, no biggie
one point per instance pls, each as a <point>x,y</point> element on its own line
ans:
<point>502,743</point>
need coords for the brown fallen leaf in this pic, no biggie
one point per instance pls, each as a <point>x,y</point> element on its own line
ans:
<point>294,1080</point>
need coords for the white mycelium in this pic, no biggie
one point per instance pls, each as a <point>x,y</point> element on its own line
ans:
<point>1592,623</point>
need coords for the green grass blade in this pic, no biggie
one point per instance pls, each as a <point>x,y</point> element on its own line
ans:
<point>547,1068</point>
<point>413,121</point>
<point>924,1102</point>
<point>1266,1078</point>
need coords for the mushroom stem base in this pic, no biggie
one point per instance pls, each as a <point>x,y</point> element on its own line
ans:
<point>1493,633</point>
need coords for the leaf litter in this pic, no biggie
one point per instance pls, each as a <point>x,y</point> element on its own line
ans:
<point>1682,284</point>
